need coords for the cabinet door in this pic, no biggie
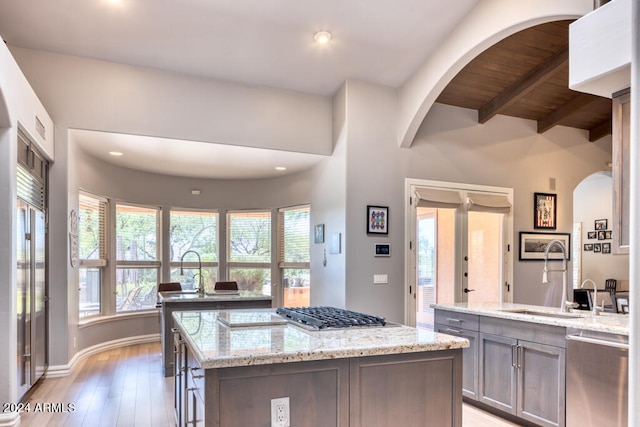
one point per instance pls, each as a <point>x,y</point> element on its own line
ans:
<point>541,381</point>
<point>497,365</point>
<point>179,377</point>
<point>469,359</point>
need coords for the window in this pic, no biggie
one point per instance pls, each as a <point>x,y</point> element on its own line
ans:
<point>294,228</point>
<point>249,250</point>
<point>92,251</point>
<point>192,231</point>
<point>137,260</point>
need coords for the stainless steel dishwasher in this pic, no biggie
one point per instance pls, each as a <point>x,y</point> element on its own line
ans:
<point>597,379</point>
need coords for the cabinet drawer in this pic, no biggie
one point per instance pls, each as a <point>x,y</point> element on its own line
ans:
<point>534,332</point>
<point>457,320</point>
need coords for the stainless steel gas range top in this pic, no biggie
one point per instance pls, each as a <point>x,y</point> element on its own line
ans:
<point>327,318</point>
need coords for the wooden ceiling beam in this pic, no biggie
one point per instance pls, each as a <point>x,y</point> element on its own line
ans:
<point>568,109</point>
<point>600,131</point>
<point>526,84</point>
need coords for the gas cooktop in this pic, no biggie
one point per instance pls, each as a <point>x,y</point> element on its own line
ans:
<point>322,318</point>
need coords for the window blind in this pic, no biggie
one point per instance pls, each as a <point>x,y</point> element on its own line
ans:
<point>483,202</point>
<point>249,237</point>
<point>136,233</point>
<point>294,230</point>
<point>437,198</point>
<point>195,231</point>
<point>92,236</point>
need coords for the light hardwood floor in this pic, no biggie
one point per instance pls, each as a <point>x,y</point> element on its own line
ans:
<point>125,387</point>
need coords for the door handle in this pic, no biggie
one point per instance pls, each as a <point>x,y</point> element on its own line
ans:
<point>467,290</point>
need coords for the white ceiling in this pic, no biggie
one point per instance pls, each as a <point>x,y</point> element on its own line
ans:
<point>255,42</point>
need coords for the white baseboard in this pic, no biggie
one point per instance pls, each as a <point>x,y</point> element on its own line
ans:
<point>56,371</point>
<point>10,419</point>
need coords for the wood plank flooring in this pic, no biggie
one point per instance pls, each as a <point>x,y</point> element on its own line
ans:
<point>125,387</point>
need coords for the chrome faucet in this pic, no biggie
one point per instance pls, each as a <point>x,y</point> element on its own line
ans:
<point>564,305</point>
<point>595,310</point>
<point>200,289</point>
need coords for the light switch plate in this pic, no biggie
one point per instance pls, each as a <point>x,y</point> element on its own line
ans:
<point>380,279</point>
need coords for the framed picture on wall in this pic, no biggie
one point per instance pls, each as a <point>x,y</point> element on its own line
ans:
<point>533,245</point>
<point>600,224</point>
<point>318,234</point>
<point>377,220</point>
<point>544,211</point>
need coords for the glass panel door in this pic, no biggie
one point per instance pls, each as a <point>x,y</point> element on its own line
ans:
<point>435,264</point>
<point>484,274</point>
<point>460,255</point>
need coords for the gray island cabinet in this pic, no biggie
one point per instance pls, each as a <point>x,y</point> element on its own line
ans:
<point>188,301</point>
<point>516,362</point>
<point>227,375</point>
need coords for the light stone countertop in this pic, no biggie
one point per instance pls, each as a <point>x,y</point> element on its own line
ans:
<point>268,340</point>
<point>578,319</point>
<point>187,296</point>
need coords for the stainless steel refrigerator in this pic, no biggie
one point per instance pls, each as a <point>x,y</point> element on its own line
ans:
<point>31,281</point>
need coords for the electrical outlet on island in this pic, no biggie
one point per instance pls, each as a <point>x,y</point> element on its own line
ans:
<point>280,412</point>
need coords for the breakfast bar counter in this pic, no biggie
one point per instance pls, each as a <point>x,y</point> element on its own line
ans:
<point>233,363</point>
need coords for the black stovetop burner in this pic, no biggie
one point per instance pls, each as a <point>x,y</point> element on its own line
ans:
<point>329,317</point>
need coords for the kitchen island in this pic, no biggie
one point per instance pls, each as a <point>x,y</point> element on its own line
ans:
<point>524,362</point>
<point>168,302</point>
<point>231,364</point>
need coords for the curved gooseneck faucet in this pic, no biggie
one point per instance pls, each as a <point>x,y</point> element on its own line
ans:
<point>564,305</point>
<point>200,285</point>
<point>595,310</point>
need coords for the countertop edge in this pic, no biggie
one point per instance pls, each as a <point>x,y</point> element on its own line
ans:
<point>607,322</point>
<point>438,343</point>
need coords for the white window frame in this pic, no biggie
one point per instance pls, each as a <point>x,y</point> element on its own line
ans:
<point>102,261</point>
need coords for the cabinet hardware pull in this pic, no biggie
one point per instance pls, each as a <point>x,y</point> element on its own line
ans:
<point>519,357</point>
<point>451,319</point>
<point>514,356</point>
<point>455,331</point>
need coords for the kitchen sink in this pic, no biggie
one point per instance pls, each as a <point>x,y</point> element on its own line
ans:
<point>543,313</point>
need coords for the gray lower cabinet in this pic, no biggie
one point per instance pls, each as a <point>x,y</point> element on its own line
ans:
<point>465,326</point>
<point>188,403</point>
<point>521,375</point>
<point>375,391</point>
<point>513,366</point>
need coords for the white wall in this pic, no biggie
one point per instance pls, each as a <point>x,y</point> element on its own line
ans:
<point>375,176</point>
<point>97,95</point>
<point>328,207</point>
<point>593,199</point>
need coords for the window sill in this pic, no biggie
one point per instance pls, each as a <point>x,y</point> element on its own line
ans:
<point>94,320</point>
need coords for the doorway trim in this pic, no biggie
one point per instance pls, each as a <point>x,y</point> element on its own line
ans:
<point>410,245</point>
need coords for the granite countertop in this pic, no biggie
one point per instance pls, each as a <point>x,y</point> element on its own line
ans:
<point>578,319</point>
<point>182,297</point>
<point>269,340</point>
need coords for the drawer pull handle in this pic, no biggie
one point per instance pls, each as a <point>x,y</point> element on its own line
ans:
<point>455,331</point>
<point>451,319</point>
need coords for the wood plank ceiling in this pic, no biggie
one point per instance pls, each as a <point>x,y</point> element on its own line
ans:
<point>527,75</point>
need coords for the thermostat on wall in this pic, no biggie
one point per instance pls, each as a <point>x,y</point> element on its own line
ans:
<point>382,249</point>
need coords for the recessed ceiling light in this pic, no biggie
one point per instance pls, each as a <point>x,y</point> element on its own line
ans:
<point>115,153</point>
<point>322,37</point>
<point>281,168</point>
